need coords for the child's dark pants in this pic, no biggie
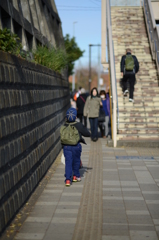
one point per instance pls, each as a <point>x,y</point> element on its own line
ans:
<point>72,160</point>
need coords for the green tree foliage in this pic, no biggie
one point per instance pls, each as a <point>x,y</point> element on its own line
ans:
<point>73,52</point>
<point>9,42</point>
<point>54,58</point>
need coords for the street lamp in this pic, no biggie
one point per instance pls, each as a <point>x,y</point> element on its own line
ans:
<point>91,45</point>
<point>73,77</point>
<point>74,28</point>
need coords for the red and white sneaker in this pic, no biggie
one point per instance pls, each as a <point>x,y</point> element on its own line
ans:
<point>67,183</point>
<point>76,179</point>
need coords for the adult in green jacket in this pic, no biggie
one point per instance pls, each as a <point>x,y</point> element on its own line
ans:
<point>91,110</point>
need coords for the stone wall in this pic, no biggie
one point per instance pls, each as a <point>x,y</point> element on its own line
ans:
<point>33,103</point>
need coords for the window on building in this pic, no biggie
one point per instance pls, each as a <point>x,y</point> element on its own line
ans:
<point>38,42</point>
<point>29,40</point>
<point>17,29</point>
<point>6,19</point>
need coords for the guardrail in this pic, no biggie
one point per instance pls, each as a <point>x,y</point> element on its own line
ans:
<point>126,3</point>
<point>153,31</point>
<point>114,96</point>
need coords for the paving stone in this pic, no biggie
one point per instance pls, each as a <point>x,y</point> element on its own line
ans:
<point>28,236</point>
<point>46,203</point>
<point>117,237</point>
<point>141,235</point>
<point>156,221</point>
<point>115,229</point>
<point>141,227</point>
<point>149,187</point>
<point>35,227</point>
<point>139,219</point>
<point>39,219</point>
<point>137,212</point>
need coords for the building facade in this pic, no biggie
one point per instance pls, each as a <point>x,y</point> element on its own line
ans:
<point>35,22</point>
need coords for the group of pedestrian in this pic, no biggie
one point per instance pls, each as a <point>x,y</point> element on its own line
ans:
<point>92,110</point>
<point>97,109</point>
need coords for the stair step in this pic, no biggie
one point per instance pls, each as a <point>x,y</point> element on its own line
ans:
<point>139,114</point>
<point>138,124</point>
<point>125,117</point>
<point>137,136</point>
<point>138,131</point>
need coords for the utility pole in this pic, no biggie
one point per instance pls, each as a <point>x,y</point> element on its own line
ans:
<point>104,33</point>
<point>90,67</point>
<point>73,77</point>
<point>91,45</point>
<point>98,66</point>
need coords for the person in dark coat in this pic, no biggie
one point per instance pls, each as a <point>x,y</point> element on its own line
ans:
<point>106,107</point>
<point>72,154</point>
<point>129,75</point>
<point>80,106</point>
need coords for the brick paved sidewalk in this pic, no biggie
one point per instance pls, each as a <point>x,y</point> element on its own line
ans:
<point>117,199</point>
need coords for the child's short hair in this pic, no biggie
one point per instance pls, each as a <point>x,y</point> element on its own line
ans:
<point>128,50</point>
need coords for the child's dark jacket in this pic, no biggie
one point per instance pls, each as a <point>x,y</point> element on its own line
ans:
<point>83,131</point>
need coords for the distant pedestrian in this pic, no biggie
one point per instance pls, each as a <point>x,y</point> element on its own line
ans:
<point>91,110</point>
<point>73,103</point>
<point>71,136</point>
<point>76,95</point>
<point>106,107</point>
<point>129,66</point>
<point>80,106</point>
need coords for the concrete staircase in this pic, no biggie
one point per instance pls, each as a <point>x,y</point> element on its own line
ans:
<point>138,120</point>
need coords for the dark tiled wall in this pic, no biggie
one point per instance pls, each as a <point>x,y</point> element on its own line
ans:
<point>33,103</point>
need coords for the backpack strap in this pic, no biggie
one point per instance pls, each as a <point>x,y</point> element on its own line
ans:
<point>71,123</point>
<point>82,99</point>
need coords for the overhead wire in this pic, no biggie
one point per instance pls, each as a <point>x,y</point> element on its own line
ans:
<point>96,10</point>
<point>77,8</point>
<point>74,6</point>
<point>94,2</point>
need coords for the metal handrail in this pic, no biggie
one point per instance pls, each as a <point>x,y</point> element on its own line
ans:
<point>157,31</point>
<point>112,75</point>
<point>153,31</point>
<point>116,91</point>
<point>151,14</point>
<point>126,3</point>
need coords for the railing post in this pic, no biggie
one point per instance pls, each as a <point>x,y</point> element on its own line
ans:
<point>90,67</point>
<point>104,32</point>
<point>112,73</point>
<point>114,124</point>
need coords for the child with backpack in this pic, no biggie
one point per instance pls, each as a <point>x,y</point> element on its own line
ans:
<point>71,136</point>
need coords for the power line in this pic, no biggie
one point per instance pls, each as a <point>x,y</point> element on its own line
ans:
<point>74,6</point>
<point>91,10</point>
<point>94,2</point>
<point>77,8</point>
